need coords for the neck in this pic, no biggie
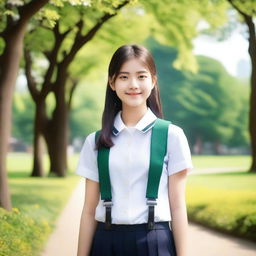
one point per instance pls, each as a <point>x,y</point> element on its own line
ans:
<point>132,115</point>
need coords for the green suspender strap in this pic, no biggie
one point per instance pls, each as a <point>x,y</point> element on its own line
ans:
<point>104,180</point>
<point>158,149</point>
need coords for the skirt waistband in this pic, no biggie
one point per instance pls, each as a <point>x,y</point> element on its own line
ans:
<point>133,227</point>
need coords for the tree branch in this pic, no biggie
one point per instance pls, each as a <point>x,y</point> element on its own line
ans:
<point>30,79</point>
<point>81,40</point>
<point>251,29</point>
<point>52,58</point>
<point>10,22</point>
<point>28,10</point>
<point>25,12</point>
<point>237,9</point>
<point>72,90</point>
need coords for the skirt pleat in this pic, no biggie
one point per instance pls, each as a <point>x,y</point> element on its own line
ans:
<point>141,243</point>
<point>133,240</point>
<point>152,243</point>
<point>165,242</point>
<point>102,244</point>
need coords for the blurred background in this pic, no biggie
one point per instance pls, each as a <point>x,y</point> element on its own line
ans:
<point>54,57</point>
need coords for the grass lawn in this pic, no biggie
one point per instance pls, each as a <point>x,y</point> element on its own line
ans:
<point>201,162</point>
<point>37,203</point>
<point>224,201</point>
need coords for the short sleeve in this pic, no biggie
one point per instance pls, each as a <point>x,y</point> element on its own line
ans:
<point>179,156</point>
<point>87,164</point>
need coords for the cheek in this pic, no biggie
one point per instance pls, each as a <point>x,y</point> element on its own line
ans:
<point>148,87</point>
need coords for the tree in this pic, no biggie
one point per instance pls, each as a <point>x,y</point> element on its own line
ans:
<point>200,102</point>
<point>247,10</point>
<point>72,28</point>
<point>15,20</point>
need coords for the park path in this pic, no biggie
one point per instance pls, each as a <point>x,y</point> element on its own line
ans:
<point>63,241</point>
<point>203,242</point>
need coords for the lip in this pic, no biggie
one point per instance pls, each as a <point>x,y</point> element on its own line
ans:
<point>133,93</point>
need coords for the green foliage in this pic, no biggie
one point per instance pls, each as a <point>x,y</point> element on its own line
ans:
<point>90,60</point>
<point>248,7</point>
<point>234,21</point>
<point>87,109</point>
<point>177,23</point>
<point>121,29</point>
<point>21,234</point>
<point>48,17</point>
<point>202,103</point>
<point>210,101</point>
<point>223,107</point>
<point>22,117</point>
<point>224,201</point>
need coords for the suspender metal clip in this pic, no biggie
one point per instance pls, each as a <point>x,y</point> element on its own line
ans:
<point>108,204</point>
<point>151,202</point>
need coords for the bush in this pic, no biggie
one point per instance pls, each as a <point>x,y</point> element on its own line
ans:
<point>222,204</point>
<point>21,234</point>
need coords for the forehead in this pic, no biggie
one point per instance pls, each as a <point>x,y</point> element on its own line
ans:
<point>133,65</point>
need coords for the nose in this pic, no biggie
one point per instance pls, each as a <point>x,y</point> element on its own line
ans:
<point>134,83</point>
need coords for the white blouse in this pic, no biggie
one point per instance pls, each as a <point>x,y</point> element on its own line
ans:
<point>128,169</point>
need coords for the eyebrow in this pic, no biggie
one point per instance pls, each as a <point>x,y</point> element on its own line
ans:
<point>139,72</point>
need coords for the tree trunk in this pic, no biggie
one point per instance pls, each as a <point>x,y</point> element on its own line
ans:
<point>198,145</point>
<point>9,67</point>
<point>56,135</point>
<point>252,111</point>
<point>216,146</point>
<point>252,52</point>
<point>39,124</point>
<point>12,35</point>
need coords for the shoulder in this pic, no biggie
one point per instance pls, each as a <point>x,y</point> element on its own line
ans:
<point>175,131</point>
<point>91,136</point>
<point>179,155</point>
<point>176,136</point>
<point>90,140</point>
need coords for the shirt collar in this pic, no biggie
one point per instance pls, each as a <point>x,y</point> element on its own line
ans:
<point>145,123</point>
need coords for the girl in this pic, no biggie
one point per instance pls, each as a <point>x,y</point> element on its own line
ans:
<point>126,222</point>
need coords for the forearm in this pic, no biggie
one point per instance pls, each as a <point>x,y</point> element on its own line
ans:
<point>180,230</point>
<point>86,233</point>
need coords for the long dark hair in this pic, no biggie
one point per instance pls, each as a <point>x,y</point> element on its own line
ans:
<point>112,103</point>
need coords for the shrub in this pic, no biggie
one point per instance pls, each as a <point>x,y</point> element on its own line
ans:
<point>20,234</point>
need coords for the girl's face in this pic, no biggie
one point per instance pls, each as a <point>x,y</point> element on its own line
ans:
<point>133,84</point>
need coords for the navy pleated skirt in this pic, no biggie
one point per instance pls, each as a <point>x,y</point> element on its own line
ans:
<point>133,240</point>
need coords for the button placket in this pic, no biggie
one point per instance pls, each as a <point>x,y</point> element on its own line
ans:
<point>129,163</point>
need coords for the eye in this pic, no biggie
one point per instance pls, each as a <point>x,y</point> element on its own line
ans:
<point>123,77</point>
<point>142,76</point>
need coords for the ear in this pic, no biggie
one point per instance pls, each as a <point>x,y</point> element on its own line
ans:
<point>111,83</point>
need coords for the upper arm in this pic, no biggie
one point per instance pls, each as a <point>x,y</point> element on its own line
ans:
<point>178,151</point>
<point>177,189</point>
<point>87,164</point>
<point>92,195</point>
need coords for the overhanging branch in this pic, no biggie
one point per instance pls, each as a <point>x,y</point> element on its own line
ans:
<point>28,10</point>
<point>81,40</point>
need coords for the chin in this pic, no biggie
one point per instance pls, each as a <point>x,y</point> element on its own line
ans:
<point>134,105</point>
